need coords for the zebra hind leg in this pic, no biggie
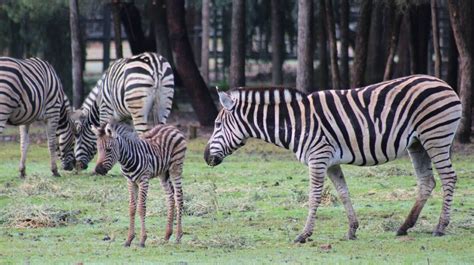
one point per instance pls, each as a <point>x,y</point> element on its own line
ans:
<point>24,142</point>
<point>142,194</point>
<point>52,143</point>
<point>441,157</point>
<point>132,190</point>
<point>426,183</point>
<point>337,177</point>
<point>175,176</point>
<point>166,184</point>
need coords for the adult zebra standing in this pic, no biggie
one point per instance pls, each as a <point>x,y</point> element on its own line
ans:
<point>30,90</point>
<point>140,88</point>
<point>364,126</point>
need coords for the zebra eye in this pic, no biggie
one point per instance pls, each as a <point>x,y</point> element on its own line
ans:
<point>108,149</point>
<point>218,124</point>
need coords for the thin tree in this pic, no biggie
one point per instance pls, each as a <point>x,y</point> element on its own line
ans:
<point>420,17</point>
<point>362,39</point>
<point>304,70</point>
<point>106,41</point>
<point>160,27</point>
<point>237,48</point>
<point>186,66</point>
<point>460,13</point>
<point>205,40</point>
<point>395,32</point>
<point>453,63</point>
<point>322,47</point>
<point>117,28</point>
<point>277,42</point>
<point>336,82</point>
<point>435,33</point>
<point>77,84</point>
<point>344,43</point>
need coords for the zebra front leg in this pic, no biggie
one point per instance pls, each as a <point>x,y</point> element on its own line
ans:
<point>337,177</point>
<point>51,131</point>
<point>166,184</point>
<point>316,183</point>
<point>24,142</point>
<point>142,193</point>
<point>132,190</point>
<point>426,183</point>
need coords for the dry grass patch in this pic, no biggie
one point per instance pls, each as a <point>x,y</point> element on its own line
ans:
<point>38,216</point>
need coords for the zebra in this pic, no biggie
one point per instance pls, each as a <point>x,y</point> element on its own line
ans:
<point>31,90</point>
<point>160,153</point>
<point>364,126</point>
<point>140,88</point>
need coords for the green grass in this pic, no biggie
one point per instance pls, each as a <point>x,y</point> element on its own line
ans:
<point>245,211</point>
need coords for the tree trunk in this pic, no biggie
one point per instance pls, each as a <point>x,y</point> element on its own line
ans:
<point>77,85</point>
<point>375,52</point>
<point>362,39</point>
<point>420,34</point>
<point>106,41</point>
<point>336,82</point>
<point>460,13</point>
<point>117,29</point>
<point>160,27</point>
<point>344,43</point>
<point>237,48</point>
<point>395,32</point>
<point>132,23</point>
<point>435,33</point>
<point>304,71</point>
<point>205,41</point>
<point>186,66</point>
<point>322,48</point>
<point>277,42</point>
<point>402,67</point>
<point>453,63</point>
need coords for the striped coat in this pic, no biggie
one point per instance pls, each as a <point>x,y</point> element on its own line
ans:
<point>30,90</point>
<point>139,88</point>
<point>159,154</point>
<point>363,126</point>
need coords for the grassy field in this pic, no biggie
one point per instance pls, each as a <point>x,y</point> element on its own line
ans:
<point>245,211</point>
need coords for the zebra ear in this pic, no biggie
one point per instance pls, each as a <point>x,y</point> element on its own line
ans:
<point>226,100</point>
<point>109,131</point>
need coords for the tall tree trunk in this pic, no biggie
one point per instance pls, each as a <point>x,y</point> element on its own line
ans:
<point>330,24</point>
<point>344,43</point>
<point>362,39</point>
<point>460,13</point>
<point>304,71</point>
<point>160,27</point>
<point>106,41</point>
<point>453,63</point>
<point>322,48</point>
<point>77,85</point>
<point>277,42</point>
<point>420,34</point>
<point>117,29</point>
<point>395,32</point>
<point>402,67</point>
<point>132,23</point>
<point>186,66</point>
<point>375,51</point>
<point>237,48</point>
<point>435,33</point>
<point>205,40</point>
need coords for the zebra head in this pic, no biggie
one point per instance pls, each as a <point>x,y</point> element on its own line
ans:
<point>65,136</point>
<point>85,147</point>
<point>228,134</point>
<point>107,148</point>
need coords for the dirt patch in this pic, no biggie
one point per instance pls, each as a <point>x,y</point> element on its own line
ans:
<point>38,216</point>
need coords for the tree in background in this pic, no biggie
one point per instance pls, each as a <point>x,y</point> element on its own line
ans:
<point>336,82</point>
<point>435,34</point>
<point>117,28</point>
<point>304,72</point>
<point>186,66</point>
<point>393,41</point>
<point>205,40</point>
<point>238,39</point>
<point>278,42</point>
<point>322,47</point>
<point>344,23</point>
<point>77,58</point>
<point>460,13</point>
<point>362,39</point>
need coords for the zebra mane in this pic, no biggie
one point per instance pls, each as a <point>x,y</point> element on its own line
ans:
<point>266,95</point>
<point>125,130</point>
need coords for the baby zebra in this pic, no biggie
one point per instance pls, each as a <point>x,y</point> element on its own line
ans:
<point>160,153</point>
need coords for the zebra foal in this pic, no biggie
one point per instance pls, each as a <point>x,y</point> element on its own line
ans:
<point>364,126</point>
<point>30,90</point>
<point>159,154</point>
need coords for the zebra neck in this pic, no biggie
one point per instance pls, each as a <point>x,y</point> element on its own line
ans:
<point>127,157</point>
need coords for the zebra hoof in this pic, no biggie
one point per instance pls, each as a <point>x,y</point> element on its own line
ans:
<point>56,174</point>
<point>142,245</point>
<point>22,174</point>
<point>401,232</point>
<point>438,233</point>
<point>351,236</point>
<point>127,244</point>
<point>302,239</point>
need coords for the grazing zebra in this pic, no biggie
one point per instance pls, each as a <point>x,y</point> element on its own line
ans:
<point>30,90</point>
<point>140,88</point>
<point>363,126</point>
<point>160,152</point>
